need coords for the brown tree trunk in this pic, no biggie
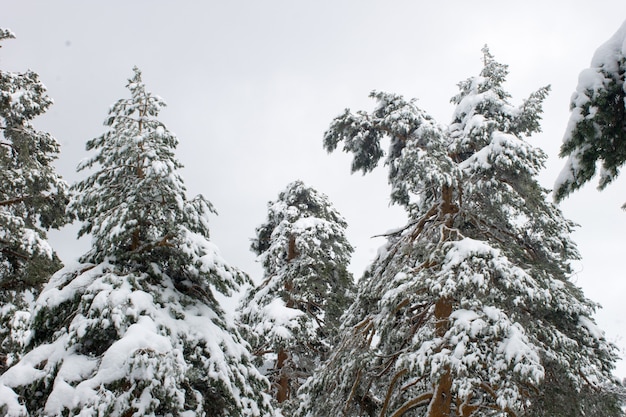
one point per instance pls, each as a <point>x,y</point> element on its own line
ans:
<point>440,406</point>
<point>283,379</point>
<point>291,250</point>
<point>447,206</point>
<point>283,392</point>
<point>135,239</point>
<point>134,243</point>
<point>443,309</point>
<point>441,403</point>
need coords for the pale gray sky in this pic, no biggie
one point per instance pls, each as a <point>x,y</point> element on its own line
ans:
<point>252,85</point>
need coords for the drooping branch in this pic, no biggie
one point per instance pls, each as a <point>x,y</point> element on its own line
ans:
<point>393,382</point>
<point>357,379</point>
<point>14,253</point>
<point>415,402</point>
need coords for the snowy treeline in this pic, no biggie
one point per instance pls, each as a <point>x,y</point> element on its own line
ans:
<point>468,310</point>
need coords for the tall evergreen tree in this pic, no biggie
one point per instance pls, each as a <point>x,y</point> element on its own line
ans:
<point>32,200</point>
<point>293,317</point>
<point>470,303</point>
<point>136,330</point>
<point>596,132</point>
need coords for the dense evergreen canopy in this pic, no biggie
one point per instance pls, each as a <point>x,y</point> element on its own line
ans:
<point>471,302</point>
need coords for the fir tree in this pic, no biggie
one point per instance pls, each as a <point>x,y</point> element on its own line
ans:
<point>32,200</point>
<point>293,317</point>
<point>136,330</point>
<point>470,303</point>
<point>596,132</point>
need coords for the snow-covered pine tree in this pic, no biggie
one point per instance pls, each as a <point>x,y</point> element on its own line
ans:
<point>135,330</point>
<point>596,136</point>
<point>32,200</point>
<point>470,303</point>
<point>292,317</point>
<point>596,131</point>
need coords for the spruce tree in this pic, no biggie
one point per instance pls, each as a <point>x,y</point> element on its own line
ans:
<point>32,200</point>
<point>135,330</point>
<point>292,318</point>
<point>596,131</point>
<point>470,303</point>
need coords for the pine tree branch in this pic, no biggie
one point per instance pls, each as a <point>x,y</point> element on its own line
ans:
<point>415,402</point>
<point>412,383</point>
<point>488,229</point>
<point>16,200</point>
<point>489,390</point>
<point>262,352</point>
<point>14,253</point>
<point>13,129</point>
<point>352,393</point>
<point>22,199</point>
<point>421,222</point>
<point>393,382</point>
<point>164,241</point>
<point>465,408</point>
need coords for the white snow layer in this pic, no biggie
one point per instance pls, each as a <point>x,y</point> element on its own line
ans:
<point>149,347</point>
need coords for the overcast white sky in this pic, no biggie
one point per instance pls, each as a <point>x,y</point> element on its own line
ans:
<point>252,85</point>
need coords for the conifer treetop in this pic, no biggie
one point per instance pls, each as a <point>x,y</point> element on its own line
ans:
<point>292,318</point>
<point>305,255</point>
<point>134,201</point>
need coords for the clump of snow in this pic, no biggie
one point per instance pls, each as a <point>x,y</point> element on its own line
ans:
<point>591,327</point>
<point>610,53</point>
<point>10,400</point>
<point>279,319</point>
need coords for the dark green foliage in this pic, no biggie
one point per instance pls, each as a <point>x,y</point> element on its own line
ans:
<point>599,135</point>
<point>558,397</point>
<point>596,133</point>
<point>50,320</point>
<point>33,196</point>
